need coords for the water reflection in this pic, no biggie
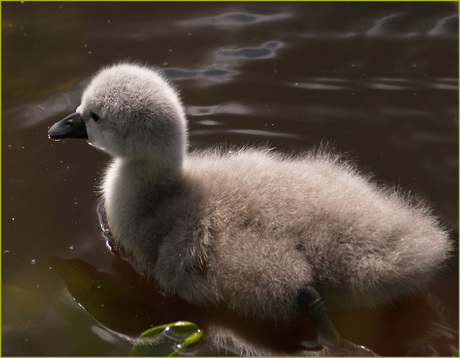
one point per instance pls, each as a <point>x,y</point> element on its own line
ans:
<point>127,306</point>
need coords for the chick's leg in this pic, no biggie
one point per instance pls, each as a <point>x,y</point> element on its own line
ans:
<point>311,303</point>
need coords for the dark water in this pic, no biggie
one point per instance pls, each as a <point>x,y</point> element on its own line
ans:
<point>379,80</point>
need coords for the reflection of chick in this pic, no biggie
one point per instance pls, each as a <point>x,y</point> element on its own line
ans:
<point>260,232</point>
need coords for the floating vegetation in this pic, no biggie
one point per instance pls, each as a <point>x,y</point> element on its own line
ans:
<point>167,340</point>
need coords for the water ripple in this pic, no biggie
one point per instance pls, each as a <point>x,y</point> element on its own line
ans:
<point>42,109</point>
<point>393,26</point>
<point>232,108</point>
<point>381,25</point>
<point>261,133</point>
<point>214,73</point>
<point>442,26</point>
<point>27,115</point>
<point>232,19</point>
<point>267,50</point>
<point>376,83</point>
<point>323,84</point>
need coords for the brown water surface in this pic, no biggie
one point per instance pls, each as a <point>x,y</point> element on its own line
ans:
<point>378,80</point>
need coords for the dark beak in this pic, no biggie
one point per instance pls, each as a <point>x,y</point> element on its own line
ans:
<point>70,127</point>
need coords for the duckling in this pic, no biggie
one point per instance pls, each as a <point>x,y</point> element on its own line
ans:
<point>268,235</point>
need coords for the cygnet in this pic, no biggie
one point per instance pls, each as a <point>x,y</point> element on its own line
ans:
<point>267,235</point>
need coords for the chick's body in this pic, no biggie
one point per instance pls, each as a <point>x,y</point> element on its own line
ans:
<point>252,228</point>
<point>249,229</point>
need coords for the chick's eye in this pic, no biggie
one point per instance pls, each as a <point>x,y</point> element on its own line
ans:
<point>94,116</point>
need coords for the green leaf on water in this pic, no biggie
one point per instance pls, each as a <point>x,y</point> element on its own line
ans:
<point>167,340</point>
